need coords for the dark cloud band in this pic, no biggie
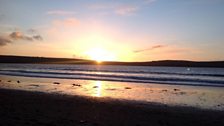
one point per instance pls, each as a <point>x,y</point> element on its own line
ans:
<point>14,36</point>
<point>4,41</point>
<point>147,49</point>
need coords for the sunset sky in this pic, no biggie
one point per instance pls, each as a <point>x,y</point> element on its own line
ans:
<point>118,30</point>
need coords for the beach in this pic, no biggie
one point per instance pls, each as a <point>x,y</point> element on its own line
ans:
<point>203,97</point>
<point>36,108</point>
<point>29,101</point>
<point>92,95</point>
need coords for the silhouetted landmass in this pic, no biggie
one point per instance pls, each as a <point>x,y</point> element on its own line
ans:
<point>46,60</point>
<point>27,59</point>
<point>173,63</point>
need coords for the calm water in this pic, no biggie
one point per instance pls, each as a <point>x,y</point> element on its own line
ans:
<point>143,74</point>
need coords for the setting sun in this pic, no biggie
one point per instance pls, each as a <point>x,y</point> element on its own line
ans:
<point>100,54</point>
<point>95,62</point>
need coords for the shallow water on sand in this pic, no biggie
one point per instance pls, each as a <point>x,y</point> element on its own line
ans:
<point>195,96</point>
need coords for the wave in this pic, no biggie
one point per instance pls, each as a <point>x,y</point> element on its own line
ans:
<point>114,77</point>
<point>130,72</point>
<point>139,71</point>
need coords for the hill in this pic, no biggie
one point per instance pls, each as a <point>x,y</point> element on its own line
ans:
<point>47,60</point>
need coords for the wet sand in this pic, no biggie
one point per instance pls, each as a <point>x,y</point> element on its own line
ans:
<point>61,102</point>
<point>38,108</point>
<point>172,95</point>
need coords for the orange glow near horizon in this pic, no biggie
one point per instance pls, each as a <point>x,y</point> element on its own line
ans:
<point>100,54</point>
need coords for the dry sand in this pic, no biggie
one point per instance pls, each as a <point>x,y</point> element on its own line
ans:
<point>43,109</point>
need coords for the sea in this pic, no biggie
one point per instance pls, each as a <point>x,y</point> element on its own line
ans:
<point>139,74</point>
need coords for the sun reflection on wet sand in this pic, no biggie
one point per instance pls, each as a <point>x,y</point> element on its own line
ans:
<point>98,88</point>
<point>205,97</point>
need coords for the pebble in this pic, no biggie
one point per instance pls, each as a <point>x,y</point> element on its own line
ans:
<point>127,88</point>
<point>56,83</point>
<point>176,89</point>
<point>78,85</point>
<point>95,86</point>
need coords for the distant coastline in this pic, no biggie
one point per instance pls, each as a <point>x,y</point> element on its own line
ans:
<point>49,60</point>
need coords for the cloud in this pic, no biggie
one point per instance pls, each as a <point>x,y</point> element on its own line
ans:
<point>20,36</point>
<point>15,36</point>
<point>119,9</point>
<point>32,31</point>
<point>147,49</point>
<point>35,34</point>
<point>126,10</point>
<point>4,41</point>
<point>69,22</point>
<point>149,1</point>
<point>157,46</point>
<point>37,37</point>
<point>122,9</point>
<point>60,12</point>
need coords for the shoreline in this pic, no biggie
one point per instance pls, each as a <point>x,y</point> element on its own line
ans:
<point>128,81</point>
<point>173,95</point>
<point>38,108</point>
